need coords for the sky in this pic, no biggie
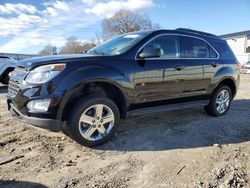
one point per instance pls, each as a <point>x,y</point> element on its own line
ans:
<point>26,26</point>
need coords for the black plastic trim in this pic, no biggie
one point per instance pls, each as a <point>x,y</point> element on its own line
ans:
<point>48,124</point>
<point>165,108</point>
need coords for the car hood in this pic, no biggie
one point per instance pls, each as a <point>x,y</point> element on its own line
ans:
<point>9,61</point>
<point>37,61</point>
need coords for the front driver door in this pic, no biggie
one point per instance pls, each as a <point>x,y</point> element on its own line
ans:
<point>159,78</point>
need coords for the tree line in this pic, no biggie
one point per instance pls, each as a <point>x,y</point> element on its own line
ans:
<point>123,21</point>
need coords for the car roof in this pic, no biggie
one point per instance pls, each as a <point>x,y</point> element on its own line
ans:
<point>183,31</point>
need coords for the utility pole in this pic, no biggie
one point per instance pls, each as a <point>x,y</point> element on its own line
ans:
<point>54,50</point>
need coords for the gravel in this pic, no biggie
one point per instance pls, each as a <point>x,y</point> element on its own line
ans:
<point>185,148</point>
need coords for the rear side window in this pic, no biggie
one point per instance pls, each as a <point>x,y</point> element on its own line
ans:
<point>223,49</point>
<point>168,44</point>
<point>197,48</point>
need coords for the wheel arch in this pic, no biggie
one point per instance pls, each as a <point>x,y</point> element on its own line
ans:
<point>106,88</point>
<point>227,76</point>
<point>230,82</point>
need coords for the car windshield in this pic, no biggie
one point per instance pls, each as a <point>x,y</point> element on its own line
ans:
<point>119,45</point>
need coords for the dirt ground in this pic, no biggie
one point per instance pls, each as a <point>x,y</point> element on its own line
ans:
<point>184,148</point>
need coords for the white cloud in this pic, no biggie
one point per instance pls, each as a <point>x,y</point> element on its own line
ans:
<point>26,26</point>
<point>14,26</point>
<point>89,2</point>
<point>51,11</point>
<point>33,38</point>
<point>53,24</point>
<point>17,8</point>
<point>109,8</point>
<point>54,8</point>
<point>61,6</point>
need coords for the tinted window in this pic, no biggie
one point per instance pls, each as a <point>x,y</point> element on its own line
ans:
<point>223,49</point>
<point>196,48</point>
<point>169,46</point>
<point>213,54</point>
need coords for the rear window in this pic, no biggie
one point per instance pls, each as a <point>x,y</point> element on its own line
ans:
<point>197,48</point>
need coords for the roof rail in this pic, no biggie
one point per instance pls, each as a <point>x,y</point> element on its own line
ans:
<point>195,32</point>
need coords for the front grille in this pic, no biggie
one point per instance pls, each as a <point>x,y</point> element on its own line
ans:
<point>13,88</point>
<point>15,81</point>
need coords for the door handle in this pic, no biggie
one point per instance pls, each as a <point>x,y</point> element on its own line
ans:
<point>214,64</point>
<point>179,67</point>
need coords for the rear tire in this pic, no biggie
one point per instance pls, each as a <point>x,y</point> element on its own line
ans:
<point>93,120</point>
<point>220,101</point>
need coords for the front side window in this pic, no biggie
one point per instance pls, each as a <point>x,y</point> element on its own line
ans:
<point>196,48</point>
<point>169,46</point>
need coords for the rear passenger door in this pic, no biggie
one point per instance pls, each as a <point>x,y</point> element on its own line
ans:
<point>196,54</point>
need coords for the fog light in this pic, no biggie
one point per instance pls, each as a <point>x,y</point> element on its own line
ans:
<point>40,105</point>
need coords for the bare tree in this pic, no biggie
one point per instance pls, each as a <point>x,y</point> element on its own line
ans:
<point>47,50</point>
<point>73,46</point>
<point>125,21</point>
<point>87,45</point>
<point>98,39</point>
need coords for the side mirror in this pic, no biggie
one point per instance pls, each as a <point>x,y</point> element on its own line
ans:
<point>150,52</point>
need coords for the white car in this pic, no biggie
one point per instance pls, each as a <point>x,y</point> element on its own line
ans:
<point>245,69</point>
<point>7,64</point>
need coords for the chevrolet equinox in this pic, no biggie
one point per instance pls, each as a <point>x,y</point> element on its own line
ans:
<point>133,74</point>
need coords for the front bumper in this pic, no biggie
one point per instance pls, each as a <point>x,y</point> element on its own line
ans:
<point>245,71</point>
<point>42,123</point>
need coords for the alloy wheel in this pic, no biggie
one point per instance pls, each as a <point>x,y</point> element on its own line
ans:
<point>222,101</point>
<point>96,122</point>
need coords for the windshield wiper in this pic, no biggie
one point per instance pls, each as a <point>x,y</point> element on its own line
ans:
<point>97,52</point>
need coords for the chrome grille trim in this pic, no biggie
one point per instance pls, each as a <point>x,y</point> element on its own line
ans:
<point>14,87</point>
<point>15,81</point>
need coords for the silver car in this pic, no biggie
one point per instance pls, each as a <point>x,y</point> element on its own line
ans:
<point>7,64</point>
<point>245,69</point>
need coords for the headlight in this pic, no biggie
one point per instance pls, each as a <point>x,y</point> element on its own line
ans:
<point>44,73</point>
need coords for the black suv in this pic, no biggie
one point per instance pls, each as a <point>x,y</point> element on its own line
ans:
<point>133,74</point>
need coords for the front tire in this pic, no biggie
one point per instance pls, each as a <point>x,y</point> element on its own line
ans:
<point>220,101</point>
<point>93,121</point>
<point>5,78</point>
